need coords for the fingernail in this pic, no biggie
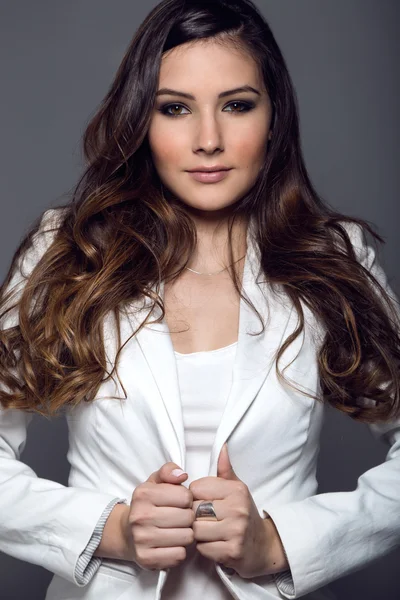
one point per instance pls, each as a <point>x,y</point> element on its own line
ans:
<point>178,472</point>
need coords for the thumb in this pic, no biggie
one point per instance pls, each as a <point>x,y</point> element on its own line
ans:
<point>170,472</point>
<point>224,468</point>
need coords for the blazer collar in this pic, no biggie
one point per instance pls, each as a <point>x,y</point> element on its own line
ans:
<point>254,358</point>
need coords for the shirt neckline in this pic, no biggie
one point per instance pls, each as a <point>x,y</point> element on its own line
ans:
<point>217,350</point>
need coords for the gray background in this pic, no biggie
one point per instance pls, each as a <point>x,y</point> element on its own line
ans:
<point>57,60</point>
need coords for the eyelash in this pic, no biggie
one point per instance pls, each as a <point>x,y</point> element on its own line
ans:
<point>163,109</point>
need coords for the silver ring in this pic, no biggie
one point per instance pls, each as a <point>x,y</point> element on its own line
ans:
<point>206,512</point>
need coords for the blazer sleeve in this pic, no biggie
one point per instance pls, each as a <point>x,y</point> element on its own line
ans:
<point>88,564</point>
<point>41,521</point>
<point>328,536</point>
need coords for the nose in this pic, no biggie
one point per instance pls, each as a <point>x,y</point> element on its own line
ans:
<point>209,135</point>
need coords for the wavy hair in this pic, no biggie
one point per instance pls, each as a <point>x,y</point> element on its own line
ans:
<point>121,232</point>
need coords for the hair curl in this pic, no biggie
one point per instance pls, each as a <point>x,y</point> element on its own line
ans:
<point>121,232</point>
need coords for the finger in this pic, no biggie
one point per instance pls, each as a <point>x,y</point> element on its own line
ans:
<point>166,516</point>
<point>216,551</point>
<point>211,531</point>
<point>165,538</point>
<point>221,508</point>
<point>215,488</point>
<point>165,474</point>
<point>164,494</point>
<point>162,558</point>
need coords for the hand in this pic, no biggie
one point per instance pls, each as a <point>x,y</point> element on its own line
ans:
<point>158,525</point>
<point>241,539</point>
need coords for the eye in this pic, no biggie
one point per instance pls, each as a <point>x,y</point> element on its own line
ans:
<point>164,109</point>
<point>246,107</point>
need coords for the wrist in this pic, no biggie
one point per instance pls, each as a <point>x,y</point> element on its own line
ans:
<point>126,550</point>
<point>276,555</point>
<point>114,542</point>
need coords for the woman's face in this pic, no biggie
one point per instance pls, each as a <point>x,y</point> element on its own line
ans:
<point>208,130</point>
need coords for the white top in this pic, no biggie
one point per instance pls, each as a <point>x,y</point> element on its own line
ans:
<point>204,379</point>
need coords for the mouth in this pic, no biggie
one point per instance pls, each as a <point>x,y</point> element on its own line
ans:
<point>213,169</point>
<point>208,170</point>
<point>209,176</point>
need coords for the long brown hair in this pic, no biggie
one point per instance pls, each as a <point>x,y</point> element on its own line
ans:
<point>121,233</point>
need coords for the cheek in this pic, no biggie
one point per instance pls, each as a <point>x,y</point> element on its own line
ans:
<point>165,147</point>
<point>252,154</point>
<point>251,146</point>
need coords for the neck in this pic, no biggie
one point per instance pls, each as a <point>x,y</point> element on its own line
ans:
<point>212,252</point>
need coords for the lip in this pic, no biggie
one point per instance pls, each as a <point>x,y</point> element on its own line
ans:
<point>205,169</point>
<point>209,177</point>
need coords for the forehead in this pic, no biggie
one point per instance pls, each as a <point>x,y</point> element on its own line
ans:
<point>207,62</point>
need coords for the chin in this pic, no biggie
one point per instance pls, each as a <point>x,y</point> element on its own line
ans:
<point>208,206</point>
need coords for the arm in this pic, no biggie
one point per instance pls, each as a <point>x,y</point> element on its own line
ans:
<point>332,535</point>
<point>328,536</point>
<point>41,521</point>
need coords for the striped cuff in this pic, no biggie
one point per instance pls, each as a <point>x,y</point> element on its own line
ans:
<point>87,564</point>
<point>284,583</point>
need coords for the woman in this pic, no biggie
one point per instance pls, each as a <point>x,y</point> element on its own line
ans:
<point>185,320</point>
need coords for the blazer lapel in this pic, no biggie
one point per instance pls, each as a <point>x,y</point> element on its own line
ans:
<point>254,358</point>
<point>156,345</point>
<point>255,354</point>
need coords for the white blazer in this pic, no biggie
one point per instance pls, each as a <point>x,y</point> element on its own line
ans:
<point>273,440</point>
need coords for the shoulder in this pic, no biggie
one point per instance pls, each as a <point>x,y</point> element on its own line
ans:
<point>49,223</point>
<point>52,218</point>
<point>365,253</point>
<point>45,230</point>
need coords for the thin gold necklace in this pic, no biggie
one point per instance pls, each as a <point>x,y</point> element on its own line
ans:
<point>215,272</point>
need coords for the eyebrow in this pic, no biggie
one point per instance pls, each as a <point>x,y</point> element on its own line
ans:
<point>244,88</point>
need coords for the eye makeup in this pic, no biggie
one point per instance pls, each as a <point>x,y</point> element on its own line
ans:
<point>246,107</point>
